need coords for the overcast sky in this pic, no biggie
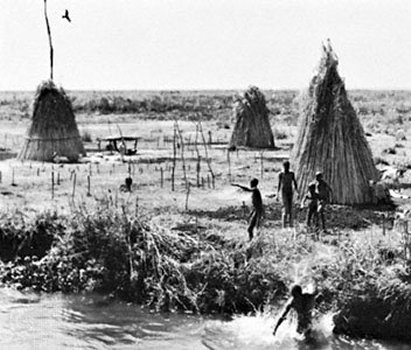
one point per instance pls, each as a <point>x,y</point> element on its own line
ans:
<point>204,44</point>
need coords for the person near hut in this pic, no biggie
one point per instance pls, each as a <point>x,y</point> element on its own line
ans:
<point>257,206</point>
<point>312,198</point>
<point>303,304</point>
<point>286,180</point>
<point>324,193</point>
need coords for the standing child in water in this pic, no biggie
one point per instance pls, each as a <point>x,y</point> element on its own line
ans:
<point>303,304</point>
<point>286,180</point>
<point>312,198</point>
<point>257,203</point>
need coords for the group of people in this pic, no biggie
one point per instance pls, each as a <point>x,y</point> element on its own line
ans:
<point>317,196</point>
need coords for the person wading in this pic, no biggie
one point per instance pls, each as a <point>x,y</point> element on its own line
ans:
<point>303,304</point>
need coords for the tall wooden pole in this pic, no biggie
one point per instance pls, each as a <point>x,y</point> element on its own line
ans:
<point>50,41</point>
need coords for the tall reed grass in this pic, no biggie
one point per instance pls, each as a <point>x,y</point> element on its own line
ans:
<point>364,279</point>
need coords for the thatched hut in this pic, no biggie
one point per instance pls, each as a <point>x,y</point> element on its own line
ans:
<point>53,130</point>
<point>252,127</point>
<point>331,138</point>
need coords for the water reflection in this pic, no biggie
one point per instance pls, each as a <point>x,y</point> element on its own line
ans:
<point>28,321</point>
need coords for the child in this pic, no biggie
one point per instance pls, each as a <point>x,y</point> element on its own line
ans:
<point>324,192</point>
<point>312,198</point>
<point>257,203</point>
<point>303,304</point>
<point>286,180</point>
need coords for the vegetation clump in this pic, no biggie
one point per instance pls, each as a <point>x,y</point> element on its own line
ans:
<point>115,252</point>
<point>112,252</point>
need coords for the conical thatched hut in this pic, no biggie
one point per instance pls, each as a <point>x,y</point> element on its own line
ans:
<point>53,130</point>
<point>331,138</point>
<point>252,127</point>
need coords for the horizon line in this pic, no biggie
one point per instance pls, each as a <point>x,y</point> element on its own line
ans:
<point>201,89</point>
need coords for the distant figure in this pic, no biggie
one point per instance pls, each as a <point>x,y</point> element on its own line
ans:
<point>286,180</point>
<point>302,304</point>
<point>126,187</point>
<point>257,203</point>
<point>324,192</point>
<point>122,148</point>
<point>66,16</point>
<point>312,198</point>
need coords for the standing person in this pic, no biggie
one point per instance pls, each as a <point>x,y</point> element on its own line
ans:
<point>303,304</point>
<point>257,203</point>
<point>324,192</point>
<point>286,180</point>
<point>312,198</point>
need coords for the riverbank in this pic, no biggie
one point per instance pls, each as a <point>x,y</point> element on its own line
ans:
<point>362,275</point>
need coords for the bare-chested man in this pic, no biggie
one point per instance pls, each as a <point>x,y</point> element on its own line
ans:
<point>286,180</point>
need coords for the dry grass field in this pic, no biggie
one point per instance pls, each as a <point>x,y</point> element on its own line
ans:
<point>151,116</point>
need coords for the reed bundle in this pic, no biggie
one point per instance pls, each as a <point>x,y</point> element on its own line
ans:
<point>53,130</point>
<point>331,138</point>
<point>252,127</point>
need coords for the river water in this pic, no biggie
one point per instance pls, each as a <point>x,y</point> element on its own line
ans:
<point>30,321</point>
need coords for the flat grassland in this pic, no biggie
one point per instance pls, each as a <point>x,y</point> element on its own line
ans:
<point>353,249</point>
<point>151,117</point>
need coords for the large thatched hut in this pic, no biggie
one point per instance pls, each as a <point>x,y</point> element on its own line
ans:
<point>53,130</point>
<point>331,138</point>
<point>252,127</point>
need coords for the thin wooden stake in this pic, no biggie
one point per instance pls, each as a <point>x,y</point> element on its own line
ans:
<point>50,41</point>
<point>262,164</point>
<point>187,195</point>
<point>52,184</point>
<point>229,165</point>
<point>173,169</point>
<point>73,193</point>
<point>12,178</point>
<point>88,185</point>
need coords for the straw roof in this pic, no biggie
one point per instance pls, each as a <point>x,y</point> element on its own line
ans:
<point>252,127</point>
<point>331,138</point>
<point>53,130</point>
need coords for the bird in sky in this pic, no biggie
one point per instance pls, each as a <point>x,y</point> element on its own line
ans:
<point>66,16</point>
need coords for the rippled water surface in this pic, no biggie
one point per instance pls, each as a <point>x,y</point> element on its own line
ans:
<point>28,321</point>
